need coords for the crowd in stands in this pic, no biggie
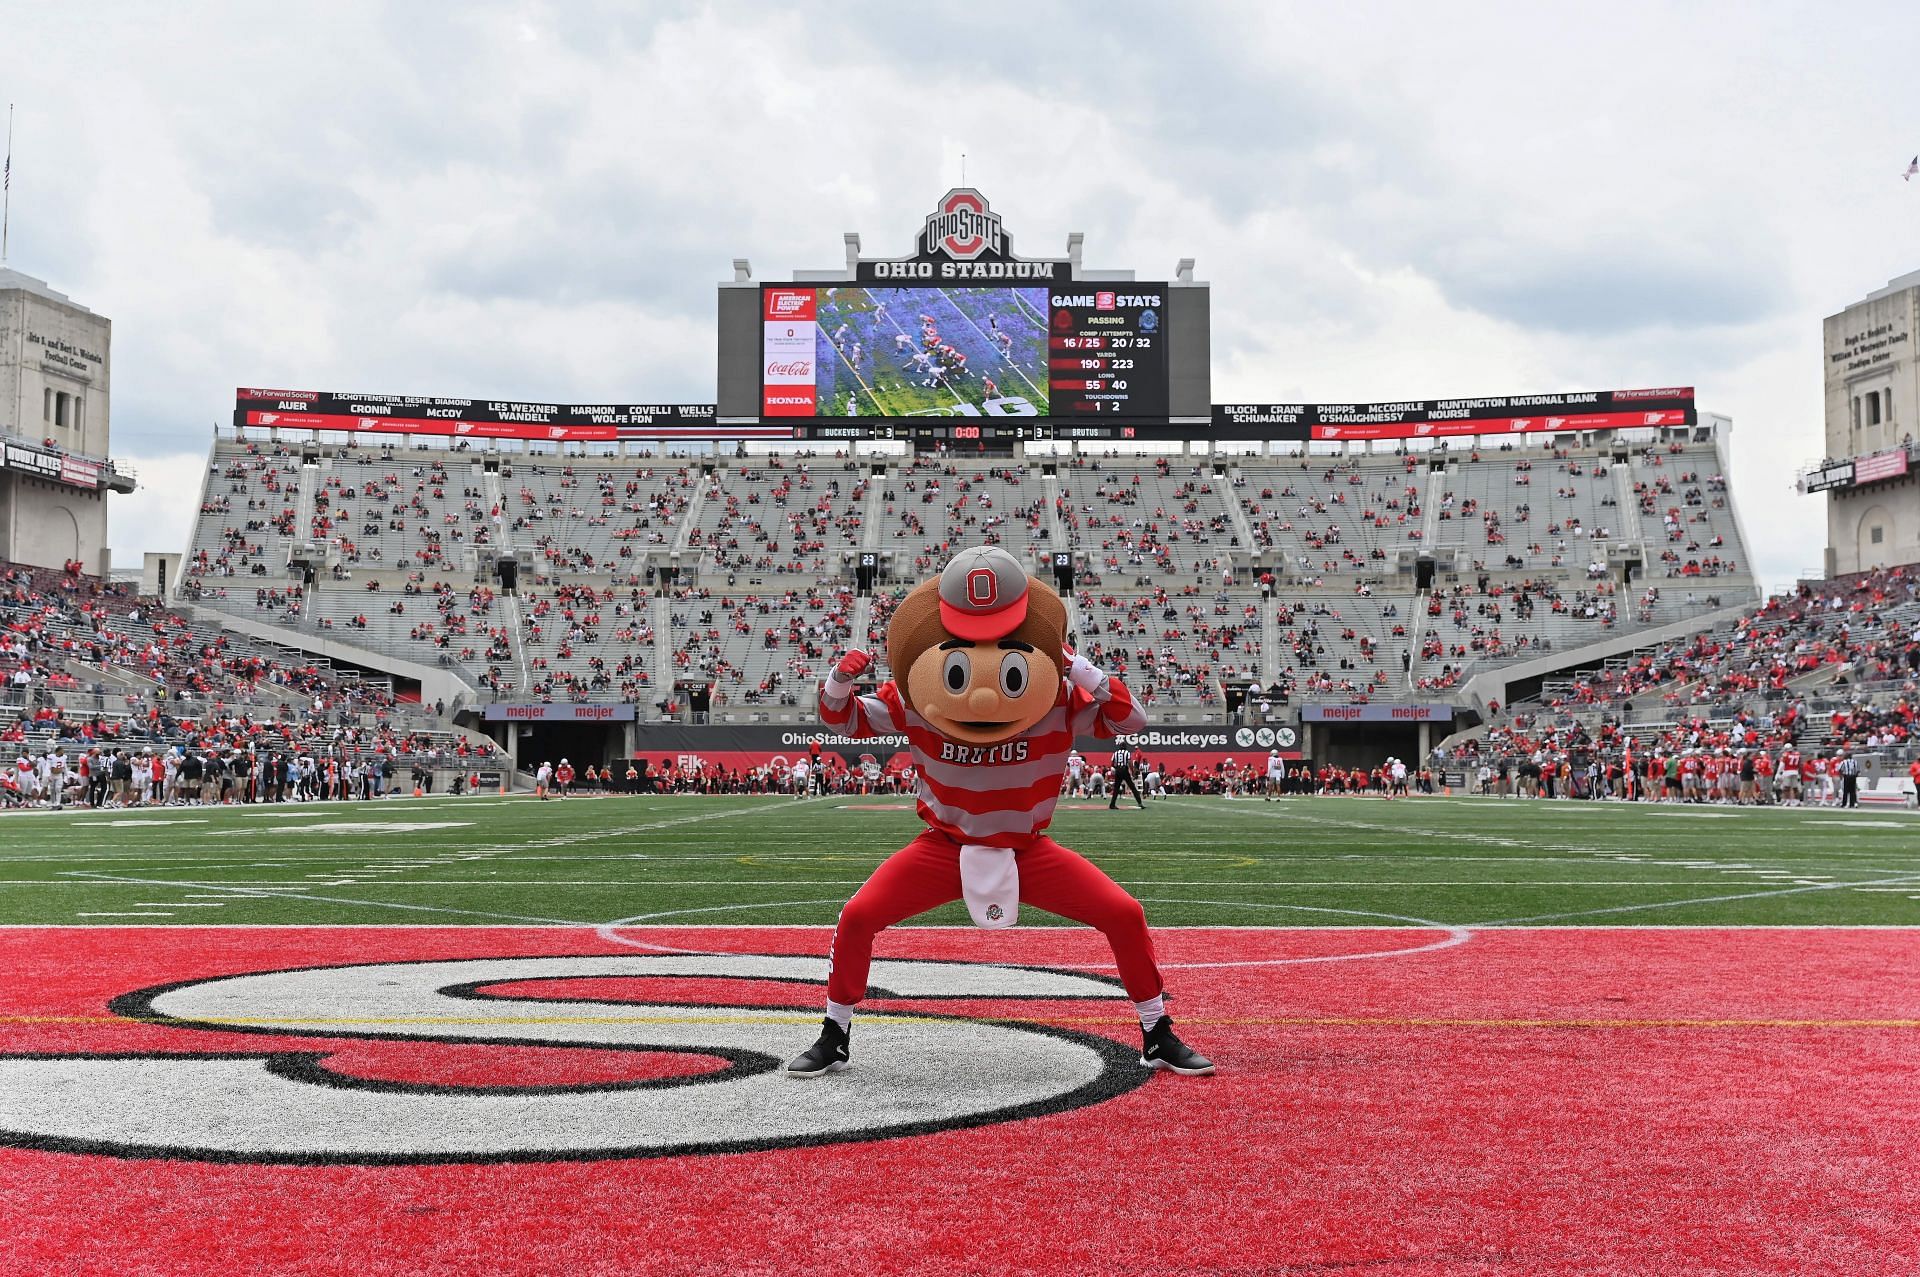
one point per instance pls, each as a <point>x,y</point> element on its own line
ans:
<point>1138,523</point>
<point>89,665</point>
<point>760,649</point>
<point>1333,515</point>
<point>1862,630</point>
<point>778,519</point>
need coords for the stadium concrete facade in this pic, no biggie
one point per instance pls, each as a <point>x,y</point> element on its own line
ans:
<point>1872,404</point>
<point>56,359</point>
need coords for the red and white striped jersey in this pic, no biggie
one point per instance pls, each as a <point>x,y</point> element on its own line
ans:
<point>994,795</point>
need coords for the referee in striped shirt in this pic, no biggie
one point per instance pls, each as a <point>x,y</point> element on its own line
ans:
<point>1123,775</point>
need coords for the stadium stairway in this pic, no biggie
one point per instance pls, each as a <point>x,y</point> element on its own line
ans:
<point>1050,489</point>
<point>874,513</point>
<point>496,499</point>
<point>1430,515</point>
<point>663,643</point>
<point>690,522</point>
<point>1627,510</point>
<point>1224,487</point>
<point>1270,663</point>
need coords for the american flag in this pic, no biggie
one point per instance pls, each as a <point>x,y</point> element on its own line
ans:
<point>1913,170</point>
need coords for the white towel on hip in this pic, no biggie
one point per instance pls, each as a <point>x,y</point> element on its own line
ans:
<point>990,882</point>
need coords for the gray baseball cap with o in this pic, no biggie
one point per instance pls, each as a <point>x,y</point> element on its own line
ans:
<point>983,594</point>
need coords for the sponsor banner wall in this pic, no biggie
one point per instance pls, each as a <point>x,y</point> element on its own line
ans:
<point>61,468</point>
<point>1838,475</point>
<point>478,418</point>
<point>747,747</point>
<point>787,351</point>
<point>1376,713</point>
<point>45,465</point>
<point>1883,465</point>
<point>1445,418</point>
<point>560,713</point>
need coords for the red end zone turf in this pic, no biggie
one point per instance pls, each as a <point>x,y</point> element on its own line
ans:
<point>1596,1101</point>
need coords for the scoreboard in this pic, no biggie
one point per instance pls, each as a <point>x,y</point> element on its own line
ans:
<point>1106,352</point>
<point>1078,352</point>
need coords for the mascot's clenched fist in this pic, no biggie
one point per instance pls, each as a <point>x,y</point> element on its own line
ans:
<point>990,699</point>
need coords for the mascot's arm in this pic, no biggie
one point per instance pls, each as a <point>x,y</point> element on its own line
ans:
<point>858,715</point>
<point>1102,705</point>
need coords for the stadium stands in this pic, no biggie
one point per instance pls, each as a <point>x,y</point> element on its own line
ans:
<point>88,665</point>
<point>1144,520</point>
<point>777,519</point>
<point>641,578</point>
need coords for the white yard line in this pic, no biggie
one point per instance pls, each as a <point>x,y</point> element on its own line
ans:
<point>300,893</point>
<point>1701,900</point>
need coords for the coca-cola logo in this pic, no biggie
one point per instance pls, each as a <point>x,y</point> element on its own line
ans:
<point>789,368</point>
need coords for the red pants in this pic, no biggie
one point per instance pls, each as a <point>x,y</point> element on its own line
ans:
<point>926,874</point>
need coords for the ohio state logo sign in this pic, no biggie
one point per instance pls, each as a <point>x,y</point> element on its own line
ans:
<point>281,1105</point>
<point>962,227</point>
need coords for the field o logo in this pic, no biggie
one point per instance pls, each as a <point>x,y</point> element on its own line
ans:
<point>290,1107</point>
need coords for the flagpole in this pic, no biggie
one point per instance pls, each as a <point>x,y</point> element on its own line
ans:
<point>6,191</point>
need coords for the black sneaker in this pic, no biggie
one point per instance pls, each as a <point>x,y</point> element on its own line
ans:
<point>1162,1050</point>
<point>828,1055</point>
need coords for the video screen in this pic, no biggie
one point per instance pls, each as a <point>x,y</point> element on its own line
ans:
<point>853,351</point>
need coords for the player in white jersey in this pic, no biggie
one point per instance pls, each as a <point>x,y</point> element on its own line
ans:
<point>1276,773</point>
<point>1076,774</point>
<point>801,770</point>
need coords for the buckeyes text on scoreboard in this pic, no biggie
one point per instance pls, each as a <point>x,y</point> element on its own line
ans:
<point>355,413</point>
<point>1451,418</point>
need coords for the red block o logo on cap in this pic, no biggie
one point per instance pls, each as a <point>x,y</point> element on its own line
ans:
<point>983,590</point>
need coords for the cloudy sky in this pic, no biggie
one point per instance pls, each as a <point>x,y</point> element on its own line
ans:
<point>535,201</point>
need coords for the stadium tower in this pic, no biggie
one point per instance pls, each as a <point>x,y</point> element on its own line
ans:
<point>55,382</point>
<point>1873,402</point>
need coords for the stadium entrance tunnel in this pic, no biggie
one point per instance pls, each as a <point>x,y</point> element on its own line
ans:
<point>1363,745</point>
<point>582,744</point>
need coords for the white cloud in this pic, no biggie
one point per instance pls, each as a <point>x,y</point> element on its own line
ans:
<point>534,200</point>
<point>158,516</point>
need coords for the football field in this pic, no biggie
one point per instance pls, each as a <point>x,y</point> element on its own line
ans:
<point>770,860</point>
<point>1454,1036</point>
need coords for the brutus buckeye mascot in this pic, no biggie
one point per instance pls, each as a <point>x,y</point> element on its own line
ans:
<point>990,699</point>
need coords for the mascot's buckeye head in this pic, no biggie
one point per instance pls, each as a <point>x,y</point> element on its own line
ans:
<point>977,651</point>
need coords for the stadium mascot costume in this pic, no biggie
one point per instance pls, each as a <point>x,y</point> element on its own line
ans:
<point>990,700</point>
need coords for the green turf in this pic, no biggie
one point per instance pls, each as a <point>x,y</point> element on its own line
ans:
<point>1322,861</point>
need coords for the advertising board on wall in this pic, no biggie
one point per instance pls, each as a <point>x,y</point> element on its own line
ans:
<point>356,413</point>
<point>545,713</point>
<point>1418,713</point>
<point>60,467</point>
<point>743,748</point>
<point>1450,418</point>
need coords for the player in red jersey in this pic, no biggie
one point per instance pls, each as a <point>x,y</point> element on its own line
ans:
<point>1763,778</point>
<point>1790,776</point>
<point>990,701</point>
